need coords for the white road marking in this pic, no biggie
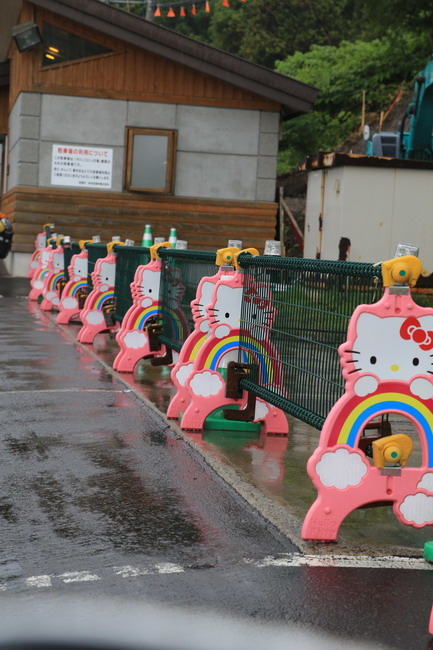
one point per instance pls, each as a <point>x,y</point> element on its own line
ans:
<point>78,576</point>
<point>130,571</point>
<point>168,567</point>
<point>281,561</point>
<point>39,581</point>
<point>343,561</point>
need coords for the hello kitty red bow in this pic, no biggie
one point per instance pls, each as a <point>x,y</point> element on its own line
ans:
<point>412,330</point>
<point>252,295</point>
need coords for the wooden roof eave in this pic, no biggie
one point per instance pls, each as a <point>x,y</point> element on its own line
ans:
<point>295,97</point>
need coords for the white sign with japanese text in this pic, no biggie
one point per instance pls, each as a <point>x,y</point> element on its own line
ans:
<point>81,166</point>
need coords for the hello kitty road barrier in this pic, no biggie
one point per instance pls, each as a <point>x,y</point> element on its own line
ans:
<point>77,288</point>
<point>132,337</point>
<point>185,364</point>
<point>206,383</point>
<point>96,314</point>
<point>54,281</point>
<point>387,364</point>
<point>40,243</point>
<point>37,281</point>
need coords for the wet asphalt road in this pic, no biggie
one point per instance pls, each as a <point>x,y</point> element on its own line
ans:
<point>100,499</point>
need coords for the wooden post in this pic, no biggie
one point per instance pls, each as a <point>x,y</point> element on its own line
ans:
<point>294,224</point>
<point>149,10</point>
<point>363,111</point>
<point>281,222</point>
<point>381,120</point>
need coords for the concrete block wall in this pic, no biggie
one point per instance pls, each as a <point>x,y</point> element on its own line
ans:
<point>221,153</point>
<point>24,141</point>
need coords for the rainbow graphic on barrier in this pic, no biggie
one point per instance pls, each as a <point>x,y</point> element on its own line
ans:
<point>153,311</point>
<point>196,347</point>
<point>251,350</point>
<point>40,275</point>
<point>355,417</point>
<point>55,280</point>
<point>77,286</point>
<point>158,311</point>
<point>103,298</point>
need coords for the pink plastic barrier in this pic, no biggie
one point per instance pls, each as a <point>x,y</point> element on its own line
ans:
<point>387,363</point>
<point>205,382</point>
<point>99,305</point>
<point>76,289</point>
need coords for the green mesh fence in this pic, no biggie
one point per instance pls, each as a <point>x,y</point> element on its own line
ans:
<point>295,314</point>
<point>182,272</point>
<point>68,253</point>
<point>95,251</point>
<point>128,258</point>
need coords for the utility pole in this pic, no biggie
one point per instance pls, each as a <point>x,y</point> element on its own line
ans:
<point>149,10</point>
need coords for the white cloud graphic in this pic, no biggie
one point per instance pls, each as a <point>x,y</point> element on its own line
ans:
<point>365,385</point>
<point>50,295</point>
<point>135,340</point>
<point>417,509</point>
<point>69,302</point>
<point>426,483</point>
<point>183,372</point>
<point>95,317</point>
<point>206,383</point>
<point>341,469</point>
<point>221,331</point>
<point>38,284</point>
<point>422,388</point>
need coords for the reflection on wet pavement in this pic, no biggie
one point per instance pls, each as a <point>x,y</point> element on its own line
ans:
<point>276,466</point>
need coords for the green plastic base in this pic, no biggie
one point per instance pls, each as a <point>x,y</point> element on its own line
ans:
<point>216,422</point>
<point>428,551</point>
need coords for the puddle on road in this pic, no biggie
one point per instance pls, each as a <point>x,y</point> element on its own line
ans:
<point>276,465</point>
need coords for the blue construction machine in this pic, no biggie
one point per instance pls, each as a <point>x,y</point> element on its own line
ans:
<point>416,143</point>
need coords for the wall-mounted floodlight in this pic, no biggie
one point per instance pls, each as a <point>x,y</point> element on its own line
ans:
<point>26,36</point>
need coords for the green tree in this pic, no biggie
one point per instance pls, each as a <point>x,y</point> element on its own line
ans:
<point>342,74</point>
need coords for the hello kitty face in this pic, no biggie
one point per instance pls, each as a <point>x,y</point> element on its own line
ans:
<point>174,295</point>
<point>259,311</point>
<point>107,275</point>
<point>202,300</point>
<point>45,258</point>
<point>41,241</point>
<point>149,287</point>
<point>225,313</point>
<point>79,269</point>
<point>391,349</point>
<point>58,261</point>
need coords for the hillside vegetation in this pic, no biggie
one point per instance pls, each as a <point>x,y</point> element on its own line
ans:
<point>344,47</point>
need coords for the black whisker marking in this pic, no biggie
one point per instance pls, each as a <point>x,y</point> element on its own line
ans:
<point>356,370</point>
<point>356,352</point>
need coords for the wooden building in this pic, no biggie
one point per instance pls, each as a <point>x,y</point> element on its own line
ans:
<point>112,122</point>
